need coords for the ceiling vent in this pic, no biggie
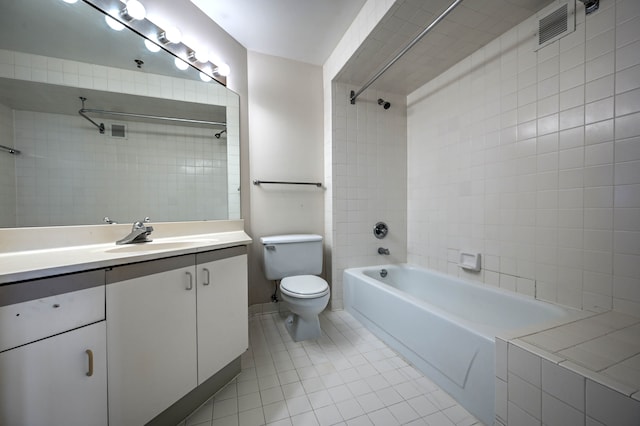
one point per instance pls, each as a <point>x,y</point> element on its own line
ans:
<point>554,22</point>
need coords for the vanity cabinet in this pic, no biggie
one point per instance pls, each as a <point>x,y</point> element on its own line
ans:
<point>171,324</point>
<point>222,309</point>
<point>53,363</point>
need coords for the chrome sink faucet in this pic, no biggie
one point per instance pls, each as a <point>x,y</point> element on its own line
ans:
<point>139,233</point>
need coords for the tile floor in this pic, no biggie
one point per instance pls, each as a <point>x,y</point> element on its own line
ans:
<point>347,377</point>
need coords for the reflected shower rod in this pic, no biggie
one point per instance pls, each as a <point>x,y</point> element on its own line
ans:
<point>83,112</point>
<point>153,117</point>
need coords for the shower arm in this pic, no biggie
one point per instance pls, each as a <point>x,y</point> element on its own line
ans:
<point>99,126</point>
<point>354,95</point>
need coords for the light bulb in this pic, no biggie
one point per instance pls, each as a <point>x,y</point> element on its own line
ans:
<point>204,77</point>
<point>151,46</point>
<point>134,10</point>
<point>113,24</point>
<point>180,64</point>
<point>201,55</point>
<point>223,69</point>
<point>71,1</point>
<point>170,35</point>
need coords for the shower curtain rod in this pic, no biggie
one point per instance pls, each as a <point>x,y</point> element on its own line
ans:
<point>154,117</point>
<point>354,95</point>
<point>9,150</point>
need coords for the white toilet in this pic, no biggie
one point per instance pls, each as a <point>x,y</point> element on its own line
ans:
<point>296,260</point>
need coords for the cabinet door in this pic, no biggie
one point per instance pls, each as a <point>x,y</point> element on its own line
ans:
<point>47,382</point>
<point>151,338</point>
<point>222,313</point>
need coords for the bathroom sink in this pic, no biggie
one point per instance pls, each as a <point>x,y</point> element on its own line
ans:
<point>152,246</point>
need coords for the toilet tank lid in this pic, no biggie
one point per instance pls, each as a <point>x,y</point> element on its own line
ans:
<point>291,238</point>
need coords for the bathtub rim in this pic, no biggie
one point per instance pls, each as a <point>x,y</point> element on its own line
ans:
<point>571,314</point>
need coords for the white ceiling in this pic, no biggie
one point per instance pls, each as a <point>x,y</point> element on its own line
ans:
<point>302,30</point>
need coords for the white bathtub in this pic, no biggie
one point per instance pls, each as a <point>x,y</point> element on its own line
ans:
<point>443,325</point>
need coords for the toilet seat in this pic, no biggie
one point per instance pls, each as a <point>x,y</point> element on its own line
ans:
<point>304,286</point>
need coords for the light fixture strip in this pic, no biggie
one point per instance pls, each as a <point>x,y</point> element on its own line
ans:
<point>151,31</point>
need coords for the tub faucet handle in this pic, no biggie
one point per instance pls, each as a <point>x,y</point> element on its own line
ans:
<point>380,230</point>
<point>385,251</point>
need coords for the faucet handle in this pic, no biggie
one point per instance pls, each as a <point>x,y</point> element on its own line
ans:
<point>139,224</point>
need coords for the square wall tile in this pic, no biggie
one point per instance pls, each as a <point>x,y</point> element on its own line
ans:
<point>557,413</point>
<point>517,416</point>
<point>610,407</point>
<point>524,395</point>
<point>524,364</point>
<point>563,384</point>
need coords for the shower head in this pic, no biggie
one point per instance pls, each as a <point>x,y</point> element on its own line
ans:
<point>217,135</point>
<point>590,5</point>
<point>384,103</point>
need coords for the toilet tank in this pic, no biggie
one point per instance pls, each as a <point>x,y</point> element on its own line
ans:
<point>288,255</point>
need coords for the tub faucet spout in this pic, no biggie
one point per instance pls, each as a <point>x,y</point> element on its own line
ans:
<point>139,233</point>
<point>382,250</point>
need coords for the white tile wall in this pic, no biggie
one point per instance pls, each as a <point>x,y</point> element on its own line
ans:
<point>610,407</point>
<point>560,396</point>
<point>335,110</point>
<point>369,181</point>
<point>583,372</point>
<point>531,158</point>
<point>7,170</point>
<point>191,171</point>
<point>76,173</point>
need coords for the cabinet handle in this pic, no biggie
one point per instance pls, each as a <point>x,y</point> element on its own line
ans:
<point>89,353</point>
<point>190,286</point>
<point>207,281</point>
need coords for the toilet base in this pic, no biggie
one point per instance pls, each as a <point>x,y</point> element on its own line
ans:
<point>302,329</point>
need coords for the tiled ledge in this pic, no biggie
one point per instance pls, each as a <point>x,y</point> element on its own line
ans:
<point>583,372</point>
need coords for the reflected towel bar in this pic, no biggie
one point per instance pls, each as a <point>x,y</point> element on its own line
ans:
<point>9,150</point>
<point>259,182</point>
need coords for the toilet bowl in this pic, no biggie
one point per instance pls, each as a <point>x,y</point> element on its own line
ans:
<point>295,260</point>
<point>306,296</point>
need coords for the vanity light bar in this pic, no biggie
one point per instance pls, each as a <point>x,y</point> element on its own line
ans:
<point>159,36</point>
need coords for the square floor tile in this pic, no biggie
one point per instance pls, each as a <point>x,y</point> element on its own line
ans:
<point>347,377</point>
<point>350,409</point>
<point>328,415</point>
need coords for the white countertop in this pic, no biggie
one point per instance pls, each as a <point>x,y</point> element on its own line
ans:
<point>39,263</point>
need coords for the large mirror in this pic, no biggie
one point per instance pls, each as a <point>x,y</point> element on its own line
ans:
<point>57,167</point>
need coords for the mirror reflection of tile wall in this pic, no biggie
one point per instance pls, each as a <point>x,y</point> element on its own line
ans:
<point>69,174</point>
<point>7,171</point>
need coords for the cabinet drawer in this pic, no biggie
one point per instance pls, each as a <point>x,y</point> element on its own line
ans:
<point>29,321</point>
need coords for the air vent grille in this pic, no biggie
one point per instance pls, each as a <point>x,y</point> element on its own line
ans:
<point>554,23</point>
<point>118,131</point>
